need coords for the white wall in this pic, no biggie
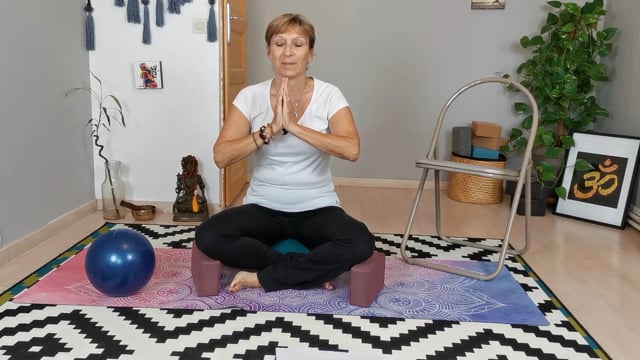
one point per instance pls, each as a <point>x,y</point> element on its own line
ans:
<point>166,124</point>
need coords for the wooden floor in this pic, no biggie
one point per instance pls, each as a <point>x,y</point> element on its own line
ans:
<point>593,269</point>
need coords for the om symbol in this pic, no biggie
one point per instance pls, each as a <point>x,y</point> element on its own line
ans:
<point>595,182</point>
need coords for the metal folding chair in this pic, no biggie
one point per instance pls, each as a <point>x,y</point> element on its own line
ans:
<point>522,176</point>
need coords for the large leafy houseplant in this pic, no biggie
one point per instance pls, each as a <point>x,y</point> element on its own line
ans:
<point>561,74</point>
<point>109,112</point>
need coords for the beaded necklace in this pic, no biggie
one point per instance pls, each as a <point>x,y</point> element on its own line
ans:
<point>295,104</point>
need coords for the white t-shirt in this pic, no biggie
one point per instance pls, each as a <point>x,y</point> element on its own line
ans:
<point>291,175</point>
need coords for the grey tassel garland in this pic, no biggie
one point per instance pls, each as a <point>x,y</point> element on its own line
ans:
<point>120,3</point>
<point>159,13</point>
<point>146,28</point>
<point>174,7</point>
<point>212,29</point>
<point>133,11</point>
<point>90,40</point>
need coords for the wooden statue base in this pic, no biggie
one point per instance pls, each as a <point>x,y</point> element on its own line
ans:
<point>190,216</point>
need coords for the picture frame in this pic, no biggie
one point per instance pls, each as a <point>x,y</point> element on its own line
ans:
<point>488,4</point>
<point>603,194</point>
<point>147,74</point>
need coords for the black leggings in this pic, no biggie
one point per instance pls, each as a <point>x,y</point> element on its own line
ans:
<point>241,237</point>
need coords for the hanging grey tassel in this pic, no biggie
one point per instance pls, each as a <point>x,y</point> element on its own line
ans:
<point>120,3</point>
<point>159,13</point>
<point>174,7</point>
<point>90,39</point>
<point>212,29</point>
<point>146,28</point>
<point>133,11</point>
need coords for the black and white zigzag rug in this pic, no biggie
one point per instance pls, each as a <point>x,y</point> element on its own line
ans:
<point>86,332</point>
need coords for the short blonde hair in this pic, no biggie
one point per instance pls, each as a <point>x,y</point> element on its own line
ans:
<point>284,22</point>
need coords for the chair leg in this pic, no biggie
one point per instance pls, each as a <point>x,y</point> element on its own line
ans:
<point>366,280</point>
<point>503,250</point>
<point>206,272</point>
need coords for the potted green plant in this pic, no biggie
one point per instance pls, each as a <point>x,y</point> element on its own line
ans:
<point>110,112</point>
<point>562,72</point>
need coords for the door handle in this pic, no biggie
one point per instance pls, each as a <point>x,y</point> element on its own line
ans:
<point>229,18</point>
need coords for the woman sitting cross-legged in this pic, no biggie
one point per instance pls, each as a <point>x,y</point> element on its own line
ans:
<point>293,124</point>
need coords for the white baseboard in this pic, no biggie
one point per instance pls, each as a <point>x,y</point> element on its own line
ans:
<point>163,206</point>
<point>384,183</point>
<point>633,218</point>
<point>29,241</point>
<point>54,226</point>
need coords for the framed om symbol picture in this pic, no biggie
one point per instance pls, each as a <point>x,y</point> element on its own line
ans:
<point>603,193</point>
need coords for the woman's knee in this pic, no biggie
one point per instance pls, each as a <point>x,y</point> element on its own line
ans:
<point>363,243</point>
<point>203,236</point>
<point>208,236</point>
<point>210,231</point>
<point>363,247</point>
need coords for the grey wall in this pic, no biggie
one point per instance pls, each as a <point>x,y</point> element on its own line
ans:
<point>621,96</point>
<point>45,154</point>
<point>398,62</point>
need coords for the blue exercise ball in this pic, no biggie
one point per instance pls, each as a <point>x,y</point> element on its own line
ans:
<point>120,262</point>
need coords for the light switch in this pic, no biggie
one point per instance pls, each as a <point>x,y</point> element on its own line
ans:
<point>199,26</point>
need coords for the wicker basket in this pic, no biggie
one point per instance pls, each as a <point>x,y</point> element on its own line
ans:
<point>476,189</point>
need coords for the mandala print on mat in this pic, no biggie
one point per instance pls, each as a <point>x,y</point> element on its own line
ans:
<point>451,298</point>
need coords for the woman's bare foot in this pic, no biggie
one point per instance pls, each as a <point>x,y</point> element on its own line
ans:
<point>327,285</point>
<point>243,280</point>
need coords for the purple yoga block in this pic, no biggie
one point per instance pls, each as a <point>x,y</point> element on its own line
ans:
<point>206,272</point>
<point>366,280</point>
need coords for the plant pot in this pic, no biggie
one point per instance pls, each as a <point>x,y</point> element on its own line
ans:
<point>540,196</point>
<point>538,192</point>
<point>537,156</point>
<point>538,207</point>
<point>112,191</point>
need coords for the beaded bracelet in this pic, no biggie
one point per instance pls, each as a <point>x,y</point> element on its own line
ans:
<point>253,136</point>
<point>263,134</point>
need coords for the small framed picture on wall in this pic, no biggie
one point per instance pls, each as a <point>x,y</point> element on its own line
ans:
<point>601,194</point>
<point>487,4</point>
<point>147,74</point>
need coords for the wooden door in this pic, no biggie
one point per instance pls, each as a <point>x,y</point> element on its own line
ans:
<point>234,78</point>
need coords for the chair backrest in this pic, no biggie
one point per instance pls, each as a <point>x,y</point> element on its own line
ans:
<point>432,152</point>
